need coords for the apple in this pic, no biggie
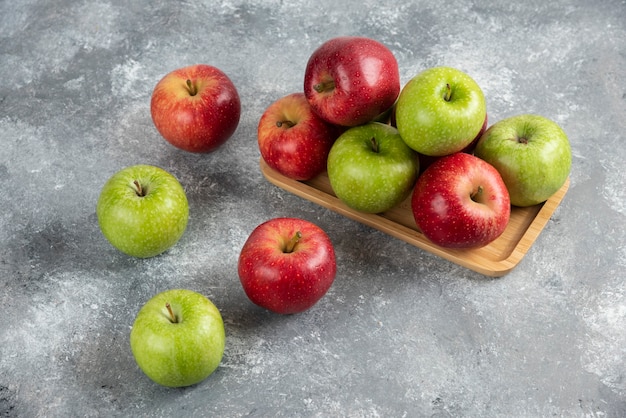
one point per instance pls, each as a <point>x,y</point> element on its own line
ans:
<point>469,149</point>
<point>532,154</point>
<point>178,338</point>
<point>351,80</point>
<point>142,210</point>
<point>196,108</point>
<point>460,201</point>
<point>292,139</point>
<point>440,111</point>
<point>427,160</point>
<point>286,265</point>
<point>371,169</point>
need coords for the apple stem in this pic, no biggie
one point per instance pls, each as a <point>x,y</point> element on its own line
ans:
<point>374,144</point>
<point>193,90</point>
<point>448,94</point>
<point>288,123</point>
<point>291,245</point>
<point>172,317</point>
<point>324,86</point>
<point>138,189</point>
<point>522,140</point>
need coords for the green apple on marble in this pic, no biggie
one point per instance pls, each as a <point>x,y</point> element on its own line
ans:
<point>532,154</point>
<point>142,210</point>
<point>371,169</point>
<point>178,338</point>
<point>440,111</point>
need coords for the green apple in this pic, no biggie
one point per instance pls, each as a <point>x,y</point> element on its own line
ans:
<point>440,111</point>
<point>371,169</point>
<point>532,154</point>
<point>142,210</point>
<point>178,338</point>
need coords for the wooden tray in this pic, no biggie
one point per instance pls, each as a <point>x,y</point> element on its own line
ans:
<point>495,259</point>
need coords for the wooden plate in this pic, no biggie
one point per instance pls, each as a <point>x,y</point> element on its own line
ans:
<point>495,259</point>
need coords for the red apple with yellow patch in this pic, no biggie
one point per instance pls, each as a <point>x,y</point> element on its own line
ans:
<point>293,140</point>
<point>196,108</point>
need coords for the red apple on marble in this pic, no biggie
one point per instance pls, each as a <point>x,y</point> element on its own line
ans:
<point>286,265</point>
<point>461,201</point>
<point>293,140</point>
<point>351,80</point>
<point>196,108</point>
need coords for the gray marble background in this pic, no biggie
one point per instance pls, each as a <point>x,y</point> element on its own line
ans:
<point>402,333</point>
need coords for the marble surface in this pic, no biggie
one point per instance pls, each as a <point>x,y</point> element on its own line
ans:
<point>402,333</point>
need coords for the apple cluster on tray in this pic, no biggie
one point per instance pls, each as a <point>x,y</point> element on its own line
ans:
<point>429,140</point>
<point>379,143</point>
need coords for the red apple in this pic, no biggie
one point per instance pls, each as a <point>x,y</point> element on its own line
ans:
<point>292,139</point>
<point>461,201</point>
<point>351,80</point>
<point>196,108</point>
<point>287,265</point>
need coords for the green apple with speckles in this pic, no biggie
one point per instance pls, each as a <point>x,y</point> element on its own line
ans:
<point>142,210</point>
<point>371,169</point>
<point>440,111</point>
<point>178,338</point>
<point>532,154</point>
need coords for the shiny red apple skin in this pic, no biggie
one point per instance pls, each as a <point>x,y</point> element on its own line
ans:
<point>197,119</point>
<point>287,282</point>
<point>450,210</point>
<point>293,140</point>
<point>363,79</point>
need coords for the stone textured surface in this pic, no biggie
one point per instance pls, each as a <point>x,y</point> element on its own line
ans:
<point>401,332</point>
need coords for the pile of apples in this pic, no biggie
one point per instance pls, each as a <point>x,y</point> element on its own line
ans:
<point>379,144</point>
